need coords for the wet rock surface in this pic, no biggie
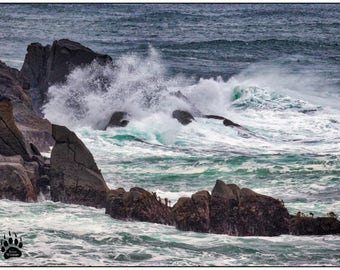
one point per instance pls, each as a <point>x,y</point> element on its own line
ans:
<point>138,204</point>
<point>34,128</point>
<point>74,176</point>
<point>193,214</point>
<point>12,140</point>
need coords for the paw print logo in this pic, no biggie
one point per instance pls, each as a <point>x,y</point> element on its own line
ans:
<point>11,246</point>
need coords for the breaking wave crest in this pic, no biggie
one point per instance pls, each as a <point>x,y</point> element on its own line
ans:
<point>142,86</point>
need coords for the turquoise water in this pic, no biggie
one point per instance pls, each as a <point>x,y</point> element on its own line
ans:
<point>274,69</point>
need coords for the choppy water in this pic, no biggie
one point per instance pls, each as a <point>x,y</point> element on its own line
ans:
<point>274,69</point>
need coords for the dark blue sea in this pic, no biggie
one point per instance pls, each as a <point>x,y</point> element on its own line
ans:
<point>272,68</point>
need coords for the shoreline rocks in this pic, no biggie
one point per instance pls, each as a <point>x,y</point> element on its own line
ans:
<point>228,210</point>
<point>193,214</point>
<point>12,140</point>
<point>15,183</point>
<point>34,128</point>
<point>138,204</point>
<point>21,164</point>
<point>313,226</point>
<point>243,212</point>
<point>75,177</point>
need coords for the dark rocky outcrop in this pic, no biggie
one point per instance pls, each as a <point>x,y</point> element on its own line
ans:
<point>35,129</point>
<point>314,226</point>
<point>193,214</point>
<point>20,163</point>
<point>74,176</point>
<point>183,117</point>
<point>228,210</point>
<point>15,183</point>
<point>11,139</point>
<point>138,204</point>
<point>243,212</point>
<point>119,119</point>
<point>14,85</point>
<point>48,65</point>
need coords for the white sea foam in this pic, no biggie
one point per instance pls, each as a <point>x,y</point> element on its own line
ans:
<point>271,101</point>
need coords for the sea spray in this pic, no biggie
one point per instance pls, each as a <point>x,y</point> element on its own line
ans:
<point>91,94</point>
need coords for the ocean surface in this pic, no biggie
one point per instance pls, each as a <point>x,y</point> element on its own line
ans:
<point>272,68</point>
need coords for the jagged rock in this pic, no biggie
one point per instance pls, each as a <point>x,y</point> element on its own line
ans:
<point>119,119</point>
<point>48,65</point>
<point>35,129</point>
<point>193,214</point>
<point>138,204</point>
<point>75,177</point>
<point>35,70</point>
<point>15,183</point>
<point>243,212</point>
<point>183,117</point>
<point>12,141</point>
<point>313,226</point>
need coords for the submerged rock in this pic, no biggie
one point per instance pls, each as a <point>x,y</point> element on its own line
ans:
<point>229,123</point>
<point>75,177</point>
<point>138,204</point>
<point>226,122</point>
<point>183,117</point>
<point>119,119</point>
<point>48,65</point>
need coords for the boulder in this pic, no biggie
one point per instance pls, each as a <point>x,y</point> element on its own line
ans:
<point>193,214</point>
<point>300,225</point>
<point>35,129</point>
<point>138,204</point>
<point>15,183</point>
<point>243,212</point>
<point>12,142</point>
<point>119,119</point>
<point>48,65</point>
<point>183,117</point>
<point>74,175</point>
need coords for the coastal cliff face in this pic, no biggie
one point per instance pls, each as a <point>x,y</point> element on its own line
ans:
<point>72,175</point>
